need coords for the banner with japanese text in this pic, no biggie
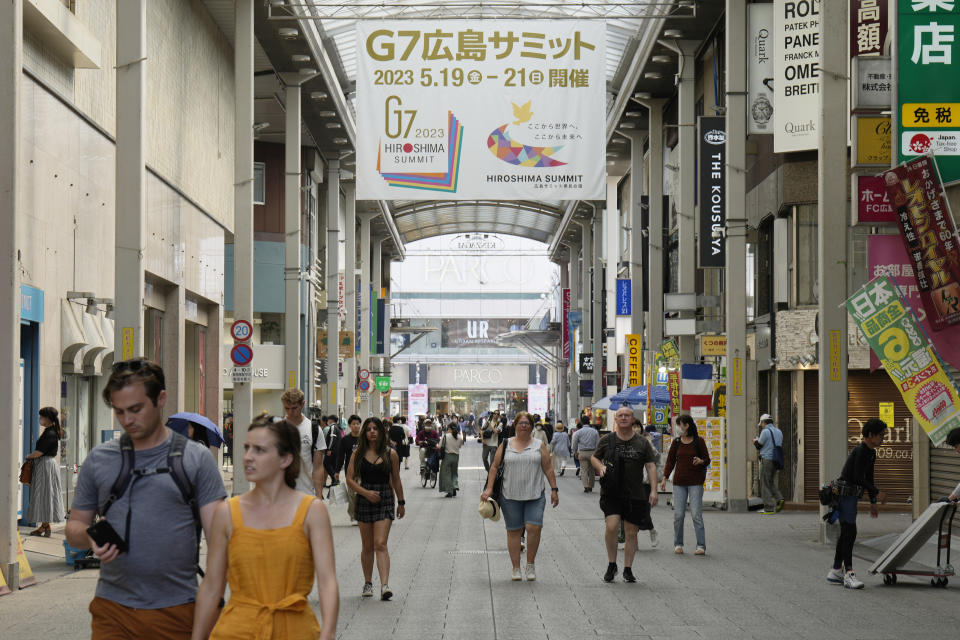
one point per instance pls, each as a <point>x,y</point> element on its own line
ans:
<point>457,110</point>
<point>565,315</point>
<point>910,360</point>
<point>928,94</point>
<point>930,236</point>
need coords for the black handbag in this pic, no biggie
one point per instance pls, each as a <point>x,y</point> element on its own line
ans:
<point>498,479</point>
<point>443,448</point>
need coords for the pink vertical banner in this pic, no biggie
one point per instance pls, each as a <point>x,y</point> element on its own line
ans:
<point>565,307</point>
<point>886,255</point>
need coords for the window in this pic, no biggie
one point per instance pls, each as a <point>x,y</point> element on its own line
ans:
<point>806,263</point>
<point>259,183</point>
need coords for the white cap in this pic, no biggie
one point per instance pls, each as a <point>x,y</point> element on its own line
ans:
<point>766,417</point>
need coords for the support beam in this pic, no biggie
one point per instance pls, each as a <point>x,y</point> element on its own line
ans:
<point>128,270</point>
<point>11,71</point>
<point>243,223</point>
<point>655,286</point>
<point>350,294</point>
<point>291,227</point>
<point>611,221</point>
<point>365,303</point>
<point>638,234</point>
<point>332,401</point>
<point>832,242</point>
<point>735,282</point>
<point>573,383</point>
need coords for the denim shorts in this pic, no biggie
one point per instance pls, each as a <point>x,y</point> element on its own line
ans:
<point>517,513</point>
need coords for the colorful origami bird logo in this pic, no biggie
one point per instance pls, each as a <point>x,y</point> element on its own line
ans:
<point>524,155</point>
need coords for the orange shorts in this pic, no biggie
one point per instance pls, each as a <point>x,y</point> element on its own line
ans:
<point>112,621</point>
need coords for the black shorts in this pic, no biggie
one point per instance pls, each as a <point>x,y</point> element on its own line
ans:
<point>634,510</point>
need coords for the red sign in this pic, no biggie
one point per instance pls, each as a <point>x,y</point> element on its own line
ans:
<point>565,311</point>
<point>887,257</point>
<point>241,330</point>
<point>241,354</point>
<point>873,201</point>
<point>929,235</point>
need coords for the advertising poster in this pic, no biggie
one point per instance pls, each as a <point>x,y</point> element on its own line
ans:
<point>873,201</point>
<point>760,68</point>
<point>537,398</point>
<point>928,106</point>
<point>929,235</point>
<point>886,256</point>
<point>673,383</point>
<point>871,141</point>
<point>418,399</point>
<point>464,333</point>
<point>712,165</point>
<point>908,357</point>
<point>796,78</point>
<point>454,109</point>
<point>713,431</point>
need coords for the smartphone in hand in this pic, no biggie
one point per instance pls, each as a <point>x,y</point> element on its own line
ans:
<point>103,534</point>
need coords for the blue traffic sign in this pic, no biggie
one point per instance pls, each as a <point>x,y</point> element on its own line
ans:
<point>241,354</point>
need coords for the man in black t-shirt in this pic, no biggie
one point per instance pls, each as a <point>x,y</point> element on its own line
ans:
<point>623,495</point>
<point>348,442</point>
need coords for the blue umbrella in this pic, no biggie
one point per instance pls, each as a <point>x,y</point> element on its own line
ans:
<point>634,396</point>
<point>180,422</point>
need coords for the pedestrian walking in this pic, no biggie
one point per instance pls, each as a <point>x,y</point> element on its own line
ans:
<point>621,458</point>
<point>313,475</point>
<point>585,442</point>
<point>525,465</point>
<point>490,438</point>
<point>450,445</point>
<point>560,449</point>
<point>428,438</point>
<point>398,440</point>
<point>688,460</point>
<point>268,543</point>
<point>46,501</point>
<point>348,444</point>
<point>770,438</point>
<point>374,474</point>
<point>146,589</point>
<point>856,478</point>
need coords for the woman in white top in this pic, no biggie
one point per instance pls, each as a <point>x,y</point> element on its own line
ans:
<point>525,463</point>
<point>451,442</point>
<point>560,449</point>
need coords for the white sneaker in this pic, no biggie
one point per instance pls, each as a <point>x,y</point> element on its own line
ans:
<point>835,576</point>
<point>531,572</point>
<point>367,590</point>
<point>386,592</point>
<point>515,575</point>
<point>654,539</point>
<point>850,581</point>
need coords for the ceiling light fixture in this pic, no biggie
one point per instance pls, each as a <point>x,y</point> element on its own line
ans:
<point>308,71</point>
<point>300,57</point>
<point>288,33</point>
<point>672,33</point>
<point>661,59</point>
<point>318,95</point>
<point>340,141</point>
<point>327,114</point>
<point>652,75</point>
<point>334,125</point>
<point>643,95</point>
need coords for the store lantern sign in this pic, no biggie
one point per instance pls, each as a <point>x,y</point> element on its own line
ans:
<point>460,110</point>
<point>928,94</point>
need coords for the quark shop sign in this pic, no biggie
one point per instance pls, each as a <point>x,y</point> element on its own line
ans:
<point>476,242</point>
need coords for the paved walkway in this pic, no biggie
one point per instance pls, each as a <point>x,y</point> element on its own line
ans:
<point>763,577</point>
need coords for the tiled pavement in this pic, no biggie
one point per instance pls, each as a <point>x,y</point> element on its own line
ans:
<point>763,577</point>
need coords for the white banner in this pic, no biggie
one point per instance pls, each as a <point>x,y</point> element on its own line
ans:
<point>461,110</point>
<point>760,68</point>
<point>418,399</point>
<point>537,399</point>
<point>796,80</point>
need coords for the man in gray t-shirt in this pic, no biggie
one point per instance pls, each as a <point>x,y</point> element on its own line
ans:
<point>149,590</point>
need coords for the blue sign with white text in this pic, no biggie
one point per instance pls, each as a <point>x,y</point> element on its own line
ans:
<point>624,297</point>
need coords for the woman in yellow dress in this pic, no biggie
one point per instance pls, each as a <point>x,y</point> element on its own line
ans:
<point>270,568</point>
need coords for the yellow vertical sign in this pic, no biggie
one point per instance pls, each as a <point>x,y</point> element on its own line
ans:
<point>738,376</point>
<point>128,351</point>
<point>291,379</point>
<point>634,359</point>
<point>835,347</point>
<point>887,413</point>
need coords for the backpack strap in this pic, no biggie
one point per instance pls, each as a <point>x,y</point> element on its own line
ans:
<point>179,476</point>
<point>127,456</point>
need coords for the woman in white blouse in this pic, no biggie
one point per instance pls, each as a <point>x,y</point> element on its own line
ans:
<point>450,442</point>
<point>525,463</point>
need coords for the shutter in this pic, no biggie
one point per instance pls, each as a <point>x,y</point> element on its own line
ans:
<point>944,471</point>
<point>894,469</point>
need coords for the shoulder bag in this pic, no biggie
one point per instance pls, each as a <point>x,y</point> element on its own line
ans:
<point>443,448</point>
<point>498,480</point>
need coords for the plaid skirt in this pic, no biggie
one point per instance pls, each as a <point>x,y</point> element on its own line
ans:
<point>366,511</point>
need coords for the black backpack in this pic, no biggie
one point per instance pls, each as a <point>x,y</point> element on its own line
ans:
<point>129,475</point>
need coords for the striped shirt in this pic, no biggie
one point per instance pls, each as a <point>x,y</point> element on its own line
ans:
<point>522,472</point>
<point>586,438</point>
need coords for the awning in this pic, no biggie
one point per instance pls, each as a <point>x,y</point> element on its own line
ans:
<point>72,337</point>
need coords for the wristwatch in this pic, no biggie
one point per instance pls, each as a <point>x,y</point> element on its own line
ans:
<point>401,503</point>
<point>555,489</point>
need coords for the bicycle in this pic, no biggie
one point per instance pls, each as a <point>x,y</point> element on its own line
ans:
<point>427,475</point>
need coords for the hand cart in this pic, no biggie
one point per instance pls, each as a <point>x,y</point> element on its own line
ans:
<point>895,559</point>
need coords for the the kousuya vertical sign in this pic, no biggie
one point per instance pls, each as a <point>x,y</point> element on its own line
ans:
<point>458,110</point>
<point>928,93</point>
<point>760,68</point>
<point>930,236</point>
<point>796,83</point>
<point>712,165</point>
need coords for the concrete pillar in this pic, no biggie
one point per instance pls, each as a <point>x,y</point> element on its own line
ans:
<point>738,433</point>
<point>387,361</point>
<point>131,85</point>
<point>573,383</point>
<point>292,268</point>
<point>655,228</point>
<point>687,121</point>
<point>611,220</point>
<point>638,234</point>
<point>832,242</point>
<point>350,295</point>
<point>365,301</point>
<point>213,395</point>
<point>11,72</point>
<point>376,275</point>
<point>586,306</point>
<point>174,347</point>
<point>333,277</point>
<point>243,223</point>
<point>596,324</point>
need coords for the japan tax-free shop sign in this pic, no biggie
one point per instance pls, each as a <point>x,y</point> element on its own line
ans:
<point>458,110</point>
<point>928,82</point>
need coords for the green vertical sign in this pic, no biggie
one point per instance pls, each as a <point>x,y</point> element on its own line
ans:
<point>928,93</point>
